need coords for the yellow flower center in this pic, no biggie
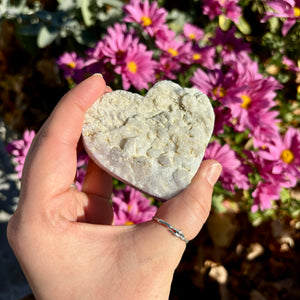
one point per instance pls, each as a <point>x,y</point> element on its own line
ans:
<point>298,89</point>
<point>219,92</point>
<point>246,101</point>
<point>128,223</point>
<point>146,21</point>
<point>297,11</point>
<point>132,67</point>
<point>71,65</point>
<point>173,52</point>
<point>196,56</point>
<point>287,156</point>
<point>192,36</point>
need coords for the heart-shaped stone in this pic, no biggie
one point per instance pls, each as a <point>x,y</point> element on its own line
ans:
<point>154,143</point>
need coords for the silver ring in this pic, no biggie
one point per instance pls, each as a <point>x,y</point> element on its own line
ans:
<point>176,232</point>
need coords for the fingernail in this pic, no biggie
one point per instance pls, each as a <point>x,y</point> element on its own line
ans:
<point>214,173</point>
<point>98,74</point>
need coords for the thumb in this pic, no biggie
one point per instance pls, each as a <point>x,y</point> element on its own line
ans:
<point>189,210</point>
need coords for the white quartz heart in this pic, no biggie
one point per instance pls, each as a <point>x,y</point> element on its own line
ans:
<point>154,143</point>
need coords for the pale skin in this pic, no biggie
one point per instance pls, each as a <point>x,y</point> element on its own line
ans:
<point>63,238</point>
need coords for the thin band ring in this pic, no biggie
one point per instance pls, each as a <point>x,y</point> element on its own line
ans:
<point>176,232</point>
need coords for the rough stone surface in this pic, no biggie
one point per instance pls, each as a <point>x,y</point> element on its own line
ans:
<point>154,143</point>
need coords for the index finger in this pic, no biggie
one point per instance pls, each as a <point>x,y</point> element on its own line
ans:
<point>51,163</point>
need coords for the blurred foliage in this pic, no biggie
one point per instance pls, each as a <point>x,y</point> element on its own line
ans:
<point>78,20</point>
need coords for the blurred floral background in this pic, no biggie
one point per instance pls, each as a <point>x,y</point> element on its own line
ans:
<point>245,55</point>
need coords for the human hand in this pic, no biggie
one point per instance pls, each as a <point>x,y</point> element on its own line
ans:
<point>63,237</point>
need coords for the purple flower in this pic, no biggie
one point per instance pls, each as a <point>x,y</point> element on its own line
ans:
<point>149,16</point>
<point>234,173</point>
<point>229,8</point>
<point>288,9</point>
<point>232,48</point>
<point>19,149</point>
<point>284,153</point>
<point>131,207</point>
<point>192,32</point>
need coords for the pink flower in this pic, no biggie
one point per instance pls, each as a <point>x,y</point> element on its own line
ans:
<point>234,174</point>
<point>115,45</point>
<point>131,207</point>
<point>229,8</point>
<point>192,32</point>
<point>149,16</point>
<point>257,100</point>
<point>288,9</point>
<point>222,118</point>
<point>72,66</point>
<point>120,49</point>
<point>138,68</point>
<point>265,169</point>
<point>264,193</point>
<point>266,127</point>
<point>19,149</point>
<point>203,56</point>
<point>284,153</point>
<point>269,187</point>
<point>82,162</point>
<point>167,68</point>
<point>290,64</point>
<point>175,48</point>
<point>215,84</point>
<point>164,33</point>
<point>248,96</point>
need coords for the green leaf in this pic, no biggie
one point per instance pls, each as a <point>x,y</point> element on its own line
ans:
<point>45,37</point>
